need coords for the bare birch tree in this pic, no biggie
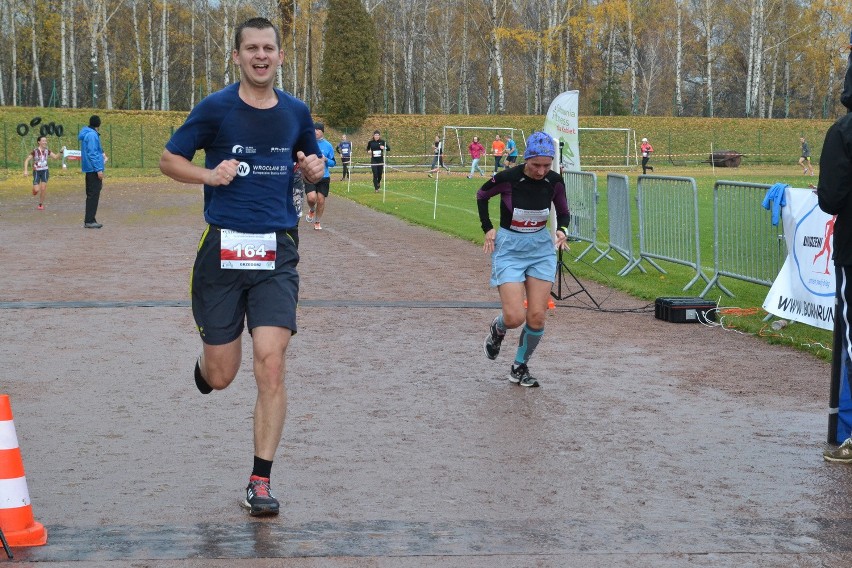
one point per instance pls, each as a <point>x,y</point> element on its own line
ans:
<point>408,15</point>
<point>307,93</point>
<point>773,84</point>
<point>464,101</point>
<point>192,55</point>
<point>754,74</point>
<point>227,13</point>
<point>94,18</point>
<point>36,74</point>
<point>444,37</point>
<point>106,57</point>
<point>679,59</point>
<point>164,60</point>
<point>633,60</point>
<point>394,65</point>
<point>138,44</point>
<point>3,16</point>
<point>496,15</point>
<point>63,11</point>
<point>72,55</point>
<point>425,56</point>
<point>152,73</point>
<point>706,14</point>
<point>12,12</point>
<point>208,56</point>
<point>650,67</point>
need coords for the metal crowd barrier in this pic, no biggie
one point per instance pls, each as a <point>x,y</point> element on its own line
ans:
<point>747,245</point>
<point>620,221</point>
<point>582,191</point>
<point>668,224</point>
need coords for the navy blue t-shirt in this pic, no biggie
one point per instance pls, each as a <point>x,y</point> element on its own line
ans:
<point>265,141</point>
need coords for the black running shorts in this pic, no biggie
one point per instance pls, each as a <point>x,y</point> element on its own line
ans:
<point>222,299</point>
<point>321,186</point>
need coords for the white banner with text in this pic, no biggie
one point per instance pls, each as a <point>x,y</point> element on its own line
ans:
<point>562,123</point>
<point>804,289</point>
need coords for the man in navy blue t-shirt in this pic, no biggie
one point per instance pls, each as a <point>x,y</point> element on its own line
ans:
<point>344,148</point>
<point>245,269</point>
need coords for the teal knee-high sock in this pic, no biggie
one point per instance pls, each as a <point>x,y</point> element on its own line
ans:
<point>527,344</point>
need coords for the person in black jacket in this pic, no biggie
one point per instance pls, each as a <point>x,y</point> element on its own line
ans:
<point>376,148</point>
<point>834,192</point>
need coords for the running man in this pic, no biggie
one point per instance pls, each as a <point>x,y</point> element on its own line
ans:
<point>805,160</point>
<point>245,268</point>
<point>41,173</point>
<point>498,148</point>
<point>511,152</point>
<point>316,193</point>
<point>523,261</point>
<point>344,148</point>
<point>438,158</point>
<point>376,148</point>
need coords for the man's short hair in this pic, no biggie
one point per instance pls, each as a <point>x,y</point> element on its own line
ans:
<point>257,24</point>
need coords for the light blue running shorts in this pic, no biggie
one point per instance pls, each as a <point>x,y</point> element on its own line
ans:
<point>519,255</point>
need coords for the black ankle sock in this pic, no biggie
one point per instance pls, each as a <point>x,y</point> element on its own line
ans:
<point>262,467</point>
<point>200,382</point>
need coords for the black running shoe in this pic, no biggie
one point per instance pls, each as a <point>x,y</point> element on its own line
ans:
<point>200,382</point>
<point>520,375</point>
<point>259,499</point>
<point>493,341</point>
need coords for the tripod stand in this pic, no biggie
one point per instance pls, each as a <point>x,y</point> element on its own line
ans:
<point>561,269</point>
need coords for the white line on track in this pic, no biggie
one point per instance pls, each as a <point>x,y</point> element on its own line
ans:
<point>367,251</point>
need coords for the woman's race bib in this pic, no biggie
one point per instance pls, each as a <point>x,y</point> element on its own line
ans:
<point>529,221</point>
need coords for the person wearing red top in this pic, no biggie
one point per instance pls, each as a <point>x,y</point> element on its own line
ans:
<point>498,147</point>
<point>476,150</point>
<point>41,173</point>
<point>646,150</point>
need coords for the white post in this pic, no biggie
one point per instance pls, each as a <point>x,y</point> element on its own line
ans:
<point>712,161</point>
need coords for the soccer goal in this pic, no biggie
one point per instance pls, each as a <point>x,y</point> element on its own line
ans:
<point>459,137</point>
<point>608,148</point>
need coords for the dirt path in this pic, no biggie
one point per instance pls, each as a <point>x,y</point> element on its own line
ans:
<point>648,444</point>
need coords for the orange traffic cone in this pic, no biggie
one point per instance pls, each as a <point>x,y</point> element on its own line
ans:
<point>16,513</point>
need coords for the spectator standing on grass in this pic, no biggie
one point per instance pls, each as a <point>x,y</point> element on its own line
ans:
<point>646,150</point>
<point>523,262</point>
<point>245,267</point>
<point>498,148</point>
<point>511,152</point>
<point>377,148</point>
<point>41,173</point>
<point>476,151</point>
<point>834,192</point>
<point>316,193</point>
<point>92,161</point>
<point>344,148</point>
<point>805,159</point>
<point>438,158</point>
